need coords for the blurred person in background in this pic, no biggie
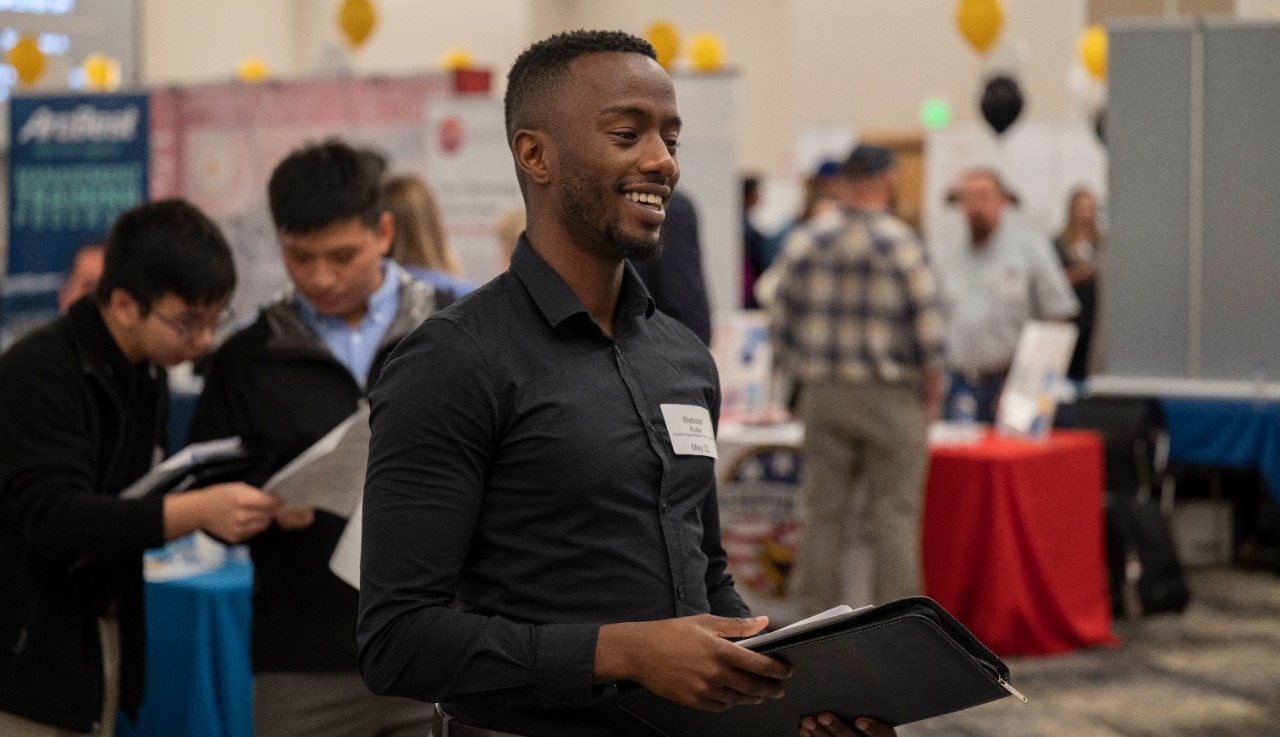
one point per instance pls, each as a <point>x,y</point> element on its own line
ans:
<point>85,415</point>
<point>419,244</point>
<point>754,246</point>
<point>674,277</point>
<point>1079,246</point>
<point>995,279</point>
<point>82,279</point>
<point>507,229</point>
<point>282,383</point>
<point>857,324</point>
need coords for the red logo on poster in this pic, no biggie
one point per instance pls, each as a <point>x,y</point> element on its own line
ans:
<point>450,135</point>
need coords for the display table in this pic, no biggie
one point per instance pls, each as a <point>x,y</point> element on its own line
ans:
<point>198,676</point>
<point>1013,533</point>
<point>1014,541</point>
<point>1240,433</point>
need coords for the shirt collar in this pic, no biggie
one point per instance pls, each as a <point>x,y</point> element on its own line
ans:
<point>556,300</point>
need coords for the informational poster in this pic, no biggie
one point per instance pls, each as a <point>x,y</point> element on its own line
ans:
<point>217,145</point>
<point>76,161</point>
<point>473,177</point>
<point>1030,396</point>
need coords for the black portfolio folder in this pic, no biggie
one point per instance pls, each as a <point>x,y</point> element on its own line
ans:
<point>899,663</point>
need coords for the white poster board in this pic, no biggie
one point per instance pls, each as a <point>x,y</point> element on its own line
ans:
<point>1030,395</point>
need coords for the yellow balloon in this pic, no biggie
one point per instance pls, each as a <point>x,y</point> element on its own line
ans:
<point>665,40</point>
<point>27,60</point>
<point>252,69</point>
<point>455,59</point>
<point>1093,50</point>
<point>356,18</point>
<point>706,52</point>
<point>980,22</point>
<point>101,72</point>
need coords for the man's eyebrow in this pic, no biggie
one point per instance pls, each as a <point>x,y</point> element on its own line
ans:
<point>637,111</point>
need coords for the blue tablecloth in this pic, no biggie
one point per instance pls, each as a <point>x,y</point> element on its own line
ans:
<point>1240,433</point>
<point>199,682</point>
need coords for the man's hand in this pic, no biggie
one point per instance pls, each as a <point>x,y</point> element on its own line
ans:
<point>830,725</point>
<point>689,661</point>
<point>239,511</point>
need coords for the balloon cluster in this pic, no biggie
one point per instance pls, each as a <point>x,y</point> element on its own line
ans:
<point>1001,101</point>
<point>706,50</point>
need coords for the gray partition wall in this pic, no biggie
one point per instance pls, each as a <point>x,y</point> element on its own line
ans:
<point>1191,286</point>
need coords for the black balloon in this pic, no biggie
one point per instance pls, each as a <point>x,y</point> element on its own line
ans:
<point>1001,102</point>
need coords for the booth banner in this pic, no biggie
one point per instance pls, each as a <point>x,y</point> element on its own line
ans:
<point>76,161</point>
<point>216,145</point>
<point>473,178</point>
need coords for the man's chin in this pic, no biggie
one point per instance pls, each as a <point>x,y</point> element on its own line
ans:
<point>634,248</point>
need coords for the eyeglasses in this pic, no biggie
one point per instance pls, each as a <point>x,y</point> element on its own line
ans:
<point>190,329</point>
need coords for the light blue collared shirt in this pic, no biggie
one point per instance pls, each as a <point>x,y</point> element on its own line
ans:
<point>355,348</point>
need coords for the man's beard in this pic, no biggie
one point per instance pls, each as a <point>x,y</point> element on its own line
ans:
<point>980,230</point>
<point>610,241</point>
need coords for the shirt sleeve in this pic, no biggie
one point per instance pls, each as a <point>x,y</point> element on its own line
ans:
<point>436,423</point>
<point>1053,296</point>
<point>925,302</point>
<point>53,471</point>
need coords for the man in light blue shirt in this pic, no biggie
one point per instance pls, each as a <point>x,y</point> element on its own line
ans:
<point>356,346</point>
<point>282,383</point>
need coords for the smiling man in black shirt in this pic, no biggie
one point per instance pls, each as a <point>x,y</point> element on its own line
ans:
<point>540,515</point>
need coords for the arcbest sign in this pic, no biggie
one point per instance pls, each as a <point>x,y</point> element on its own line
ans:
<point>76,161</point>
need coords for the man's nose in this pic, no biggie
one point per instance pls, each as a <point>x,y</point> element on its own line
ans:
<point>658,157</point>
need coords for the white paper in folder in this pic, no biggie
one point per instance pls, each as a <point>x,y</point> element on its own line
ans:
<point>330,474</point>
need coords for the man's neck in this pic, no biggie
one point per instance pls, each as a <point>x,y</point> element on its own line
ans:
<point>595,281</point>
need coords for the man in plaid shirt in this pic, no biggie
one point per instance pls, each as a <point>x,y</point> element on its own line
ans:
<point>857,323</point>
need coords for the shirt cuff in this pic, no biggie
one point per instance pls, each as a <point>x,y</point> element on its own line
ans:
<point>563,674</point>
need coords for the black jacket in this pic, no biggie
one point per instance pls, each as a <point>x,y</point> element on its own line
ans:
<point>277,386</point>
<point>79,423</point>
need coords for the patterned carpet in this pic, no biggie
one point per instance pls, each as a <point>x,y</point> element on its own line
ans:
<point>1212,670</point>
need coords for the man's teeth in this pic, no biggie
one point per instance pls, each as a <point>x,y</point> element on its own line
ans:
<point>644,198</point>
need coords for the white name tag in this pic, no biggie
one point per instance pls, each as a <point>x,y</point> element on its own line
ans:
<point>690,429</point>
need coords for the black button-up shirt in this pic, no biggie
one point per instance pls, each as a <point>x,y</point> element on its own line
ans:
<point>523,490</point>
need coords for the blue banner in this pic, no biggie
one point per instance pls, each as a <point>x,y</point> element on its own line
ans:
<point>75,162</point>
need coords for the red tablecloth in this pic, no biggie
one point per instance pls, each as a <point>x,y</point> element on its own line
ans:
<point>1014,541</point>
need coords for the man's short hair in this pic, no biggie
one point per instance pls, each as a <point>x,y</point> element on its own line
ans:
<point>538,70</point>
<point>166,247</point>
<point>324,183</point>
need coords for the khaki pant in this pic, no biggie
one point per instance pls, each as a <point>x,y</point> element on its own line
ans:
<point>875,433</point>
<point>109,633</point>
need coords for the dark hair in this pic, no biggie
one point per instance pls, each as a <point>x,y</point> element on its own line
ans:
<point>166,246</point>
<point>324,183</point>
<point>750,186</point>
<point>537,71</point>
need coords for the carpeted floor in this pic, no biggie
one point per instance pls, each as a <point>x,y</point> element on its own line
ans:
<point>1212,670</point>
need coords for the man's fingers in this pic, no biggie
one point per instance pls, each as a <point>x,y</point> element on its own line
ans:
<point>736,626</point>
<point>757,664</point>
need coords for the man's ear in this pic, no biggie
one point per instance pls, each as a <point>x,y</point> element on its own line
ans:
<point>124,307</point>
<point>532,151</point>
